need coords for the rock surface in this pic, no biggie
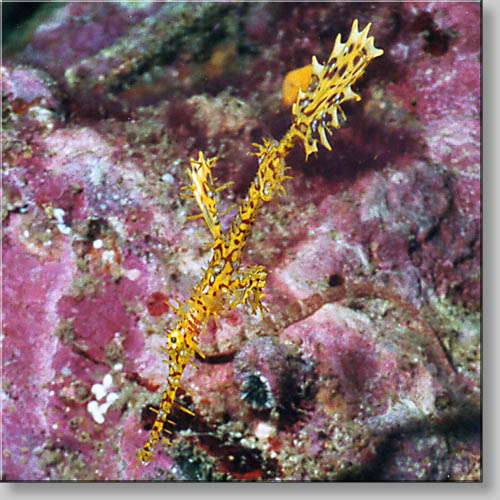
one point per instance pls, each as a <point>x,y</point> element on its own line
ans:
<point>367,366</point>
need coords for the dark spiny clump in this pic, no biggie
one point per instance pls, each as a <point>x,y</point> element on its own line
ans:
<point>274,378</point>
<point>256,392</point>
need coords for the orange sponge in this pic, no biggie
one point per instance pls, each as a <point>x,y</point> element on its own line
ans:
<point>295,80</point>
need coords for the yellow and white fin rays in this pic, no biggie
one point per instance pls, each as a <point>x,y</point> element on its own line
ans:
<point>249,285</point>
<point>204,192</point>
<point>330,85</point>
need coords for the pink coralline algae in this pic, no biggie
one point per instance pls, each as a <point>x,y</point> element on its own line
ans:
<point>367,365</point>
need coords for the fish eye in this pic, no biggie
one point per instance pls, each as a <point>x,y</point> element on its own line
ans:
<point>175,338</point>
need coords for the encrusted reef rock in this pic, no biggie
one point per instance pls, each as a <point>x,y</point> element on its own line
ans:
<point>367,365</point>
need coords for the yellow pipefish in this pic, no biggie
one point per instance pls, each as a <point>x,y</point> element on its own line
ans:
<point>224,284</point>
